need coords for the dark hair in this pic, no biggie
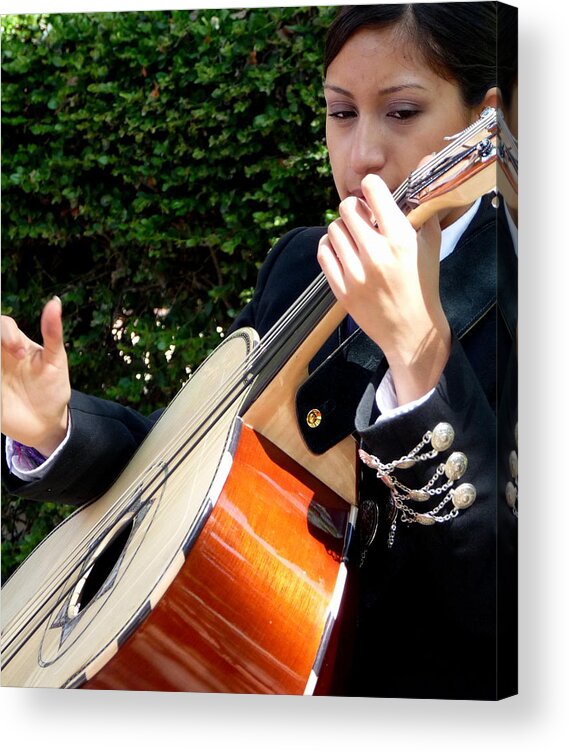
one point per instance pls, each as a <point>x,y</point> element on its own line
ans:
<point>507,51</point>
<point>457,40</point>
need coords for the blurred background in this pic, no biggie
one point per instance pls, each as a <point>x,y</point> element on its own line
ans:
<point>149,162</point>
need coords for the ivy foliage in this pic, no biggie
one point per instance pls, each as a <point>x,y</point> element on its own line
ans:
<point>150,160</point>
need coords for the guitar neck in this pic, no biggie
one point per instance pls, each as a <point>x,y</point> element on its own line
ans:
<point>456,176</point>
<point>298,335</point>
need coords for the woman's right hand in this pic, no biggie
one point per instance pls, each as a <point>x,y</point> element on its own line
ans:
<point>35,383</point>
<point>385,274</point>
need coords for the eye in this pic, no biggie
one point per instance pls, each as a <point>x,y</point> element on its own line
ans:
<point>342,114</point>
<point>406,114</point>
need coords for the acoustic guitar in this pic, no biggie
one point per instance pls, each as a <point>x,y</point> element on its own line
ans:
<point>217,561</point>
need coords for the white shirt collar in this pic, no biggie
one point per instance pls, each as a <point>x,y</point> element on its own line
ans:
<point>451,234</point>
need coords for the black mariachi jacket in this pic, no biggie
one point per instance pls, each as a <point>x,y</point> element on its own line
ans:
<point>428,609</point>
<point>437,610</point>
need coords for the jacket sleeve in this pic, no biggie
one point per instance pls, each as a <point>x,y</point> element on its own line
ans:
<point>104,435</point>
<point>429,577</point>
<point>467,450</point>
<point>286,273</point>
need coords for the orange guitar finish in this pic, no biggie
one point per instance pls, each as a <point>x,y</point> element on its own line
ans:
<point>247,611</point>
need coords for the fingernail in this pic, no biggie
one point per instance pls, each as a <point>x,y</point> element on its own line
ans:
<point>56,297</point>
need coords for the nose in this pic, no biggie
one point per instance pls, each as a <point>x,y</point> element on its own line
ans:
<point>369,147</point>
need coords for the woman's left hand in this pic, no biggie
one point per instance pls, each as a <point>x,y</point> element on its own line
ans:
<point>386,275</point>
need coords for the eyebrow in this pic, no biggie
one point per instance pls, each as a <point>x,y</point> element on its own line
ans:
<point>386,90</point>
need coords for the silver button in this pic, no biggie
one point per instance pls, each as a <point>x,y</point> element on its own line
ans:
<point>511,494</point>
<point>442,436</point>
<point>425,519</point>
<point>464,496</point>
<point>513,460</point>
<point>456,465</point>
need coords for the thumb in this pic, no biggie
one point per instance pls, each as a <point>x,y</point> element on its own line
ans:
<point>430,232</point>
<point>429,243</point>
<point>52,329</point>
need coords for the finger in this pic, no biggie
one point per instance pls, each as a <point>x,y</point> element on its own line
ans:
<point>425,160</point>
<point>331,266</point>
<point>389,217</point>
<point>353,208</point>
<point>429,240</point>
<point>360,223</point>
<point>52,330</point>
<point>430,233</point>
<point>14,340</point>
<point>349,254</point>
<point>342,242</point>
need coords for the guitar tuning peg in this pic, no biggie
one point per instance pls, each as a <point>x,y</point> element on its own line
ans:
<point>487,113</point>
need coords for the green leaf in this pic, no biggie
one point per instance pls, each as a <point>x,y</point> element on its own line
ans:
<point>149,162</point>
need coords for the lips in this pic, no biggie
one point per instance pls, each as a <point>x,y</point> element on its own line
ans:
<point>359,194</point>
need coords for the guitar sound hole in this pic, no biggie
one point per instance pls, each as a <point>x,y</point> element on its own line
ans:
<point>102,567</point>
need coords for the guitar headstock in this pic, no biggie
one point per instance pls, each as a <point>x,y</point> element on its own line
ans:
<point>456,176</point>
<point>507,163</point>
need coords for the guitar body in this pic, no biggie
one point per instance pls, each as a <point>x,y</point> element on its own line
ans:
<point>248,610</point>
<point>218,569</point>
<point>216,561</point>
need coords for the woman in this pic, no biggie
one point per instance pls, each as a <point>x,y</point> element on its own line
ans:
<point>417,376</point>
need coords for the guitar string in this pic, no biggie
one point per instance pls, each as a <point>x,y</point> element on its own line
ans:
<point>399,193</point>
<point>118,508</point>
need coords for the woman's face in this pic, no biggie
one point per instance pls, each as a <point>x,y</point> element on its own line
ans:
<point>386,109</point>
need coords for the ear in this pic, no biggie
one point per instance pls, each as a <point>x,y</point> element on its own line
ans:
<point>493,98</point>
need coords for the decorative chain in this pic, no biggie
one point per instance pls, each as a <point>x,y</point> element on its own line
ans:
<point>461,497</point>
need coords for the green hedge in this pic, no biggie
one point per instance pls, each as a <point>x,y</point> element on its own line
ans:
<point>150,160</point>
